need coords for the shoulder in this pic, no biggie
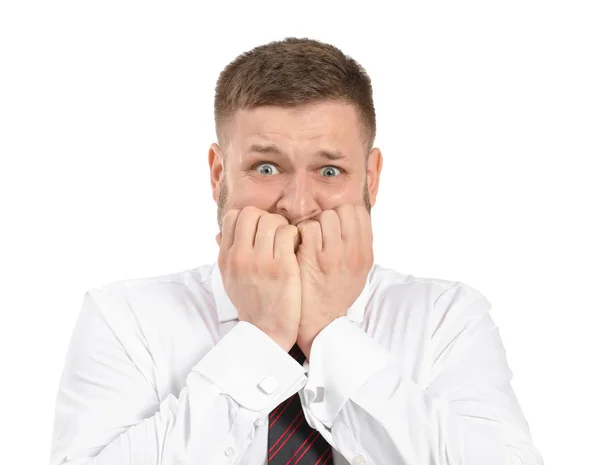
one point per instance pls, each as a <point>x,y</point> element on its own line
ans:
<point>437,293</point>
<point>159,286</point>
<point>131,302</point>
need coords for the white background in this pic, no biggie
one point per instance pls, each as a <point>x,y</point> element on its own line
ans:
<point>489,124</point>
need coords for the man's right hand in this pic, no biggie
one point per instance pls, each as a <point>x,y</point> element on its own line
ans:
<point>260,272</point>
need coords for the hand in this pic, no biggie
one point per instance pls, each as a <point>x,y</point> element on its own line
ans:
<point>260,271</point>
<point>335,256</point>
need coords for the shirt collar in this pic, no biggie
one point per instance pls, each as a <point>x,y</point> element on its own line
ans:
<point>227,311</point>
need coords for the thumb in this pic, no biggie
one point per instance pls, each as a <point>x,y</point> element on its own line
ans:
<point>218,239</point>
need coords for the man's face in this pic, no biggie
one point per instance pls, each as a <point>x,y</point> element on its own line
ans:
<point>277,160</point>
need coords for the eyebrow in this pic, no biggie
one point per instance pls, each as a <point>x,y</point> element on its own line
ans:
<point>271,149</point>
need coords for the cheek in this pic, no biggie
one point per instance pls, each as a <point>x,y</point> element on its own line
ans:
<point>253,194</point>
<point>329,199</point>
<point>335,197</point>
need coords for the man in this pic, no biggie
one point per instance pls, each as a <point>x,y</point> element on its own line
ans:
<point>294,348</point>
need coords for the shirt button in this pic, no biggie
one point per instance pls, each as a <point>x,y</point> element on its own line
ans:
<point>358,460</point>
<point>229,451</point>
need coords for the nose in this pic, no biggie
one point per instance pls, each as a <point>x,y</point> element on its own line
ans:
<point>298,202</point>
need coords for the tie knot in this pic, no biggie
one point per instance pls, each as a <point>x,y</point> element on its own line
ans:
<point>297,354</point>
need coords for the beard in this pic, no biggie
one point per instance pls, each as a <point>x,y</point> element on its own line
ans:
<point>221,202</point>
<point>224,193</point>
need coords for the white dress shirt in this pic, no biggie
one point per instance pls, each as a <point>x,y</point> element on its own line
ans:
<point>161,371</point>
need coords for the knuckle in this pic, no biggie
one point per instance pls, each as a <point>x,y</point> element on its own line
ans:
<point>268,220</point>
<point>237,261</point>
<point>272,221</point>
<point>312,225</point>
<point>329,213</point>
<point>251,210</point>
<point>283,232</point>
<point>246,212</point>
<point>273,271</point>
<point>286,229</point>
<point>231,214</point>
<point>279,219</point>
<point>251,215</point>
<point>347,209</point>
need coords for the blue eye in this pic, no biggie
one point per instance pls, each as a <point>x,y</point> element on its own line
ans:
<point>266,164</point>
<point>329,168</point>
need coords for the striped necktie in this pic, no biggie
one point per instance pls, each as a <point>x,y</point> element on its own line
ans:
<point>291,439</point>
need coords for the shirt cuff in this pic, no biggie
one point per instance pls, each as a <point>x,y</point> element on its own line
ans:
<point>252,369</point>
<point>342,358</point>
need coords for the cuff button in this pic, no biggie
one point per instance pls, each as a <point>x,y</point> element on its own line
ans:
<point>268,385</point>
<point>358,460</point>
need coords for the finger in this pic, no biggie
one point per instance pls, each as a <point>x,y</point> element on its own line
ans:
<point>366,234</point>
<point>331,229</point>
<point>284,243</point>
<point>311,235</point>
<point>265,233</point>
<point>245,228</point>
<point>366,226</point>
<point>228,232</point>
<point>349,223</point>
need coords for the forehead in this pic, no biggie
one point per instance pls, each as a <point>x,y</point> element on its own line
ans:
<point>322,122</point>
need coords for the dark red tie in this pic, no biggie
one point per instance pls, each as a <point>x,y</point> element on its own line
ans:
<point>291,439</point>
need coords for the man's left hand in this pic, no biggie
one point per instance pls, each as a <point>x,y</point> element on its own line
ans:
<point>335,257</point>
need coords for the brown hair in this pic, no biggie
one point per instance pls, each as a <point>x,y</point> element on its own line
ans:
<point>290,72</point>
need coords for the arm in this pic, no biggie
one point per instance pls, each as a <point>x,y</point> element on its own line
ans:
<point>467,414</point>
<point>108,411</point>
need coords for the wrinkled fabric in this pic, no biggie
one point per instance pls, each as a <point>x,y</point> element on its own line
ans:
<point>160,371</point>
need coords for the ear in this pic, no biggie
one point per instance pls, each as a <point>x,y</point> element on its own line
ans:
<point>217,169</point>
<point>374,165</point>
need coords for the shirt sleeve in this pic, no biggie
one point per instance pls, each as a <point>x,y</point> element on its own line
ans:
<point>108,412</point>
<point>466,413</point>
